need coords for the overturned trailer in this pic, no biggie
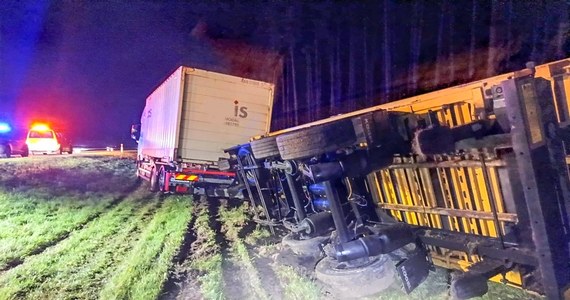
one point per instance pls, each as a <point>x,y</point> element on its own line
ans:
<point>471,178</point>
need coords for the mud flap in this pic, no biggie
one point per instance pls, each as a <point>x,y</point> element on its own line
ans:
<point>414,269</point>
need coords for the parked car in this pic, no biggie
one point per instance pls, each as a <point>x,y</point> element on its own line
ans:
<point>42,139</point>
<point>12,141</point>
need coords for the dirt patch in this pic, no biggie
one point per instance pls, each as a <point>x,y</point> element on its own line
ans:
<point>181,284</point>
<point>281,257</point>
<point>268,277</point>
<point>233,276</point>
<point>189,288</point>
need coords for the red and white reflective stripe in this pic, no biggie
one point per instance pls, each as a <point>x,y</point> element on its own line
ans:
<point>209,172</point>
<point>186,177</point>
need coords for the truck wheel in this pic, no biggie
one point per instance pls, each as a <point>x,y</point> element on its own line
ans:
<point>264,148</point>
<point>467,286</point>
<point>162,178</point>
<point>316,140</point>
<point>357,282</point>
<point>153,180</point>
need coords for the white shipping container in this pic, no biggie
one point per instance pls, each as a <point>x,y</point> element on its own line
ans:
<point>195,114</point>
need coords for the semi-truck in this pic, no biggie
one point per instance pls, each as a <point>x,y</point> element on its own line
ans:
<point>188,121</point>
<point>472,178</point>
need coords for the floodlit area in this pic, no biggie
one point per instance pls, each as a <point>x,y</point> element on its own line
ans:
<point>285,150</point>
<point>84,227</point>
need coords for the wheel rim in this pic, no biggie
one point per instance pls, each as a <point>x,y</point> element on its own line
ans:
<point>153,180</point>
<point>161,179</point>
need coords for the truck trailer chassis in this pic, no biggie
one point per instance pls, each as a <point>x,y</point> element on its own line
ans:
<point>472,178</point>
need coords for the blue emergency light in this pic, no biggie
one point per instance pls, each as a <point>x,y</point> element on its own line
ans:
<point>5,127</point>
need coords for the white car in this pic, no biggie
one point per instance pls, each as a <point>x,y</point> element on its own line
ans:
<point>41,139</point>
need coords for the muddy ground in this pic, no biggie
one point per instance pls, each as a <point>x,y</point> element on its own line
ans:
<point>276,272</point>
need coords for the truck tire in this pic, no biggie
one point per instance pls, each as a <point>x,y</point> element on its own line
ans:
<point>467,287</point>
<point>264,148</point>
<point>357,282</point>
<point>162,178</point>
<point>316,140</point>
<point>154,180</point>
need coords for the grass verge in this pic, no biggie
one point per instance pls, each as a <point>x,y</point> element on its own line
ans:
<point>233,220</point>
<point>206,258</point>
<point>296,286</point>
<point>43,200</point>
<point>141,276</point>
<point>33,223</point>
<point>71,269</point>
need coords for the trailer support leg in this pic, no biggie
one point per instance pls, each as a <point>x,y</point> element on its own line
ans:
<point>299,209</point>
<point>337,213</point>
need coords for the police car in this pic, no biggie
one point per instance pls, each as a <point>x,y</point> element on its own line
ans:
<point>42,139</point>
<point>12,141</point>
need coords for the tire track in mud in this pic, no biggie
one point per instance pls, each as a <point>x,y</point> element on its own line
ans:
<point>184,279</point>
<point>181,281</point>
<point>268,277</point>
<point>233,286</point>
<point>111,252</point>
<point>65,235</point>
<point>241,260</point>
<point>232,273</point>
<point>245,273</point>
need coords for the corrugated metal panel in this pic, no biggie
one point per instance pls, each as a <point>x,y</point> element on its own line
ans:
<point>426,196</point>
<point>159,121</point>
<point>221,111</point>
<point>195,114</point>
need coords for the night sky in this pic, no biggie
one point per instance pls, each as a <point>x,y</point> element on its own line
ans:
<point>88,66</point>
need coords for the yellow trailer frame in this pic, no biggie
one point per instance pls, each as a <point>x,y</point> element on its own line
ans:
<point>408,189</point>
<point>468,193</point>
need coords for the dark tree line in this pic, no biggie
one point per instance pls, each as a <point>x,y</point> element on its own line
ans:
<point>331,57</point>
<point>342,57</point>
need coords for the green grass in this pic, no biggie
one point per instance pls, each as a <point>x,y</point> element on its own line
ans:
<point>296,286</point>
<point>30,223</point>
<point>76,228</point>
<point>43,200</point>
<point>211,279</point>
<point>206,258</point>
<point>61,270</point>
<point>142,275</point>
<point>233,221</point>
<point>259,234</point>
<point>254,281</point>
